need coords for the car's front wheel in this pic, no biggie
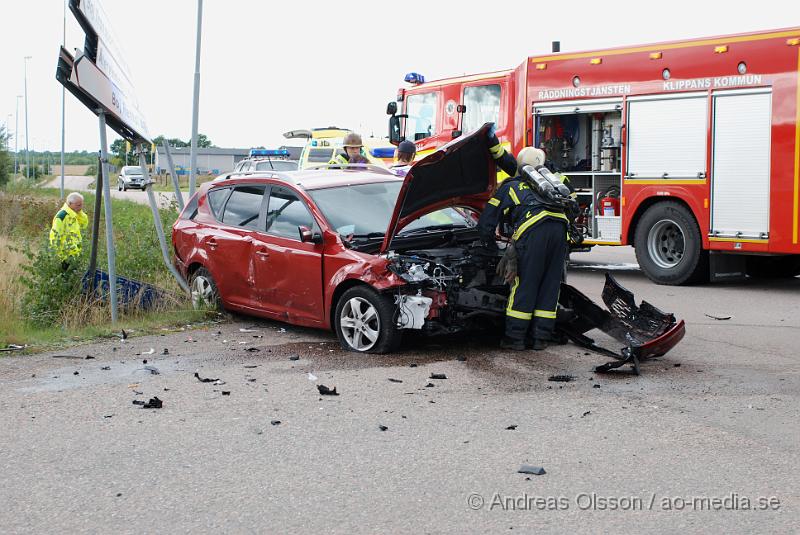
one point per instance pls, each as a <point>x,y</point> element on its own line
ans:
<point>204,290</point>
<point>364,321</point>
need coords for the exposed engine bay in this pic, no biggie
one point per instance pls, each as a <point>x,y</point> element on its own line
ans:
<point>454,288</point>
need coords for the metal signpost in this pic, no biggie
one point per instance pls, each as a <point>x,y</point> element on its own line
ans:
<point>98,77</point>
<point>175,182</point>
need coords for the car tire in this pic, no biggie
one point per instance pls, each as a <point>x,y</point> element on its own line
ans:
<point>119,186</point>
<point>364,321</point>
<point>669,247</point>
<point>204,291</point>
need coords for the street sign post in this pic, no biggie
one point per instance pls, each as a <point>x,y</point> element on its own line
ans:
<point>99,77</point>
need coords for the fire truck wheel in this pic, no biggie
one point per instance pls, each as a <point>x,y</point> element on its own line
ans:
<point>669,247</point>
<point>365,321</point>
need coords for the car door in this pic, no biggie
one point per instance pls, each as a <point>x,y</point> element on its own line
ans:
<point>289,271</point>
<point>231,246</point>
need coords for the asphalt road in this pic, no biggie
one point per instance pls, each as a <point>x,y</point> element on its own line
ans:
<point>689,446</point>
<point>86,183</point>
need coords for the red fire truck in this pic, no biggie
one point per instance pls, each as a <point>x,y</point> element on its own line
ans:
<point>687,150</point>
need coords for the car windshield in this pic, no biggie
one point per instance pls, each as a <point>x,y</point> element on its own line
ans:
<point>375,204</point>
<point>276,165</point>
<point>131,170</point>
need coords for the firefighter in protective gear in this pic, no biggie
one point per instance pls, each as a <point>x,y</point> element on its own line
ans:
<point>65,232</point>
<point>353,146</point>
<point>540,240</point>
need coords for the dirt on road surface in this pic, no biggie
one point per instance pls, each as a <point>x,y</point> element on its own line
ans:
<point>705,440</point>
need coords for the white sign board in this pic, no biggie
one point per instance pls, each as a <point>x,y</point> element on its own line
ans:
<point>111,85</point>
<point>92,81</point>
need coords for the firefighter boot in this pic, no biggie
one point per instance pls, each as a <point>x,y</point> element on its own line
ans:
<point>515,334</point>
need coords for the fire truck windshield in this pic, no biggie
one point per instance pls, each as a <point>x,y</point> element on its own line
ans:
<point>421,111</point>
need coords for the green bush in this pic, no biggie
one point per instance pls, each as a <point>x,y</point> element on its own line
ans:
<point>49,286</point>
<point>91,171</point>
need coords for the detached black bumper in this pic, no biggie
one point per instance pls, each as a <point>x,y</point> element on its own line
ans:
<point>645,331</point>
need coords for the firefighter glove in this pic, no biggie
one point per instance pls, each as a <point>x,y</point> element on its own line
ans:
<point>507,267</point>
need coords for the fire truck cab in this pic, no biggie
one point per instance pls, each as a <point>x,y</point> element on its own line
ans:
<point>687,150</point>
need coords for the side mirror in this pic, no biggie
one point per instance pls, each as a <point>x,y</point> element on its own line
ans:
<point>456,133</point>
<point>306,236</point>
<point>394,129</point>
<point>391,108</point>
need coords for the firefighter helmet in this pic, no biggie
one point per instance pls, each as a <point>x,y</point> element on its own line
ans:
<point>352,140</point>
<point>530,156</point>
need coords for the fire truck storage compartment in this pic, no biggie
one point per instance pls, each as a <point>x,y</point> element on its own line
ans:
<point>740,170</point>
<point>667,136</point>
<point>582,139</point>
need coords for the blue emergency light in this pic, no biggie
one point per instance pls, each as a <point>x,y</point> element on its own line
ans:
<point>268,152</point>
<point>382,152</point>
<point>414,78</point>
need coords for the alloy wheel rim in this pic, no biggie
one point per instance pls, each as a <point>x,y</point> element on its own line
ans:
<point>360,324</point>
<point>202,292</point>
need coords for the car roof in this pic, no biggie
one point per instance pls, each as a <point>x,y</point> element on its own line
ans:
<point>313,179</point>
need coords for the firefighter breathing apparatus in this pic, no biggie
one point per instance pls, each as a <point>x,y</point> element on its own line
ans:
<point>556,195</point>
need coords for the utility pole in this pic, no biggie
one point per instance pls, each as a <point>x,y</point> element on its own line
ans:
<point>27,136</point>
<point>196,102</point>
<point>16,137</point>
<point>63,90</point>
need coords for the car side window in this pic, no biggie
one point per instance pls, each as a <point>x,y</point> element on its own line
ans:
<point>286,213</point>
<point>216,199</point>
<point>243,207</point>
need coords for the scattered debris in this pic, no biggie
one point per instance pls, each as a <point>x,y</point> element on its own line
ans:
<point>154,403</point>
<point>412,365</point>
<point>587,413</point>
<point>251,366</point>
<point>14,347</point>
<point>382,427</point>
<point>153,370</point>
<point>108,415</point>
<point>595,385</point>
<point>325,391</point>
<point>226,392</point>
<point>105,367</point>
<point>677,365</point>
<point>461,358</point>
<point>149,352</point>
<point>88,357</point>
<point>252,349</point>
<point>511,427</point>
<point>75,373</point>
<point>561,378</point>
<point>533,470</point>
<point>438,376</point>
<point>251,379</point>
<point>219,382</point>
<point>275,422</point>
<point>312,377</point>
<point>281,330</point>
<point>204,380</point>
<point>144,361</point>
<point>720,318</point>
<point>392,380</point>
<point>165,352</point>
<point>429,385</point>
<point>124,335</point>
<point>258,336</point>
<point>294,357</point>
<point>248,331</point>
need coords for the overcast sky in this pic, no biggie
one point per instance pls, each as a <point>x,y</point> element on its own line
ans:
<point>269,67</point>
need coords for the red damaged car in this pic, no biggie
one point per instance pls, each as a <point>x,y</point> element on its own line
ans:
<point>369,254</point>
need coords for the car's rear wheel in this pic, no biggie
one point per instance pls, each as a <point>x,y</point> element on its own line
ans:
<point>364,321</point>
<point>204,290</point>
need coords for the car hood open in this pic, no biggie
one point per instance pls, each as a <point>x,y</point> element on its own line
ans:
<point>461,173</point>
